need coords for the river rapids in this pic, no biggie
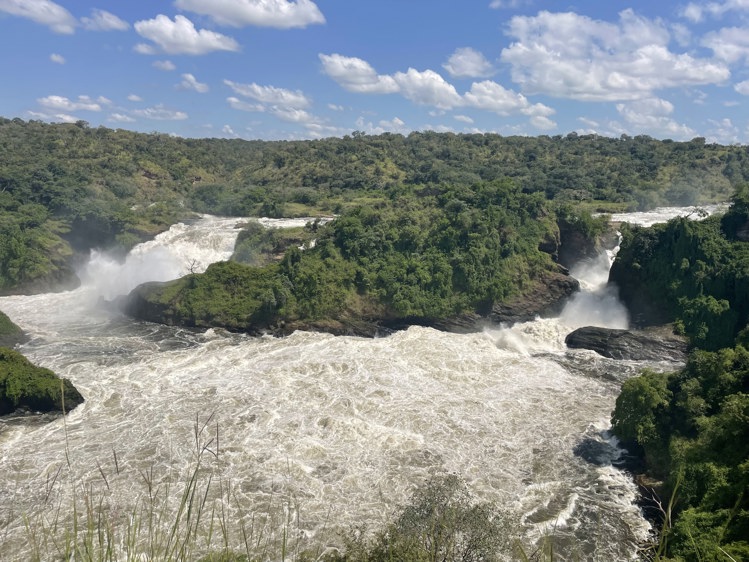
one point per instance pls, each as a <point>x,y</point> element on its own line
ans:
<point>330,432</point>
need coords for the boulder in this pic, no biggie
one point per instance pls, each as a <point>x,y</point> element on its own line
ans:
<point>546,298</point>
<point>628,344</point>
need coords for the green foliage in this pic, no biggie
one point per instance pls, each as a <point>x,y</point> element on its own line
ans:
<point>23,385</point>
<point>7,327</point>
<point>112,188</point>
<point>690,272</point>
<point>693,426</point>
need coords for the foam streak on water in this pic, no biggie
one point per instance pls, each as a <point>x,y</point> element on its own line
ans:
<point>348,425</point>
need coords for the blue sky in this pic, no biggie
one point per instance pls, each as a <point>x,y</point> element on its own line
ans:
<point>301,69</point>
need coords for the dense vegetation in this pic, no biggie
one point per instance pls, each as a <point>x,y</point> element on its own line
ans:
<point>66,188</point>
<point>23,385</point>
<point>692,427</point>
<point>433,255</point>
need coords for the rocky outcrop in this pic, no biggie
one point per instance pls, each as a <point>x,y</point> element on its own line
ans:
<point>25,387</point>
<point>546,298</point>
<point>628,344</point>
<point>10,334</point>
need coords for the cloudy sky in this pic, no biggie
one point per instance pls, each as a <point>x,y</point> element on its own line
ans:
<point>299,69</point>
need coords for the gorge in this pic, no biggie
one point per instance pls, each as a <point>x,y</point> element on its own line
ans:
<point>334,430</point>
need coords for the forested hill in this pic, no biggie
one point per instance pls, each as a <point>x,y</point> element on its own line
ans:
<point>65,188</point>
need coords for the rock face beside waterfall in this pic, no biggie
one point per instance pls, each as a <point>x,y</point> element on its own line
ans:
<point>628,344</point>
<point>546,298</point>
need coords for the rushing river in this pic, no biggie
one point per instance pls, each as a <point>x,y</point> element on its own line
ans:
<point>332,432</point>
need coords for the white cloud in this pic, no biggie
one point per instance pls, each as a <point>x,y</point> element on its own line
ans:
<point>723,132</point>
<point>59,59</point>
<point>335,107</point>
<point>236,103</point>
<point>102,100</point>
<point>227,130</point>
<point>427,88</point>
<point>282,14</point>
<point>165,65</point>
<point>466,62</point>
<point>189,82</point>
<point>180,37</point>
<point>498,4</point>
<point>652,115</point>
<point>45,12</point>
<point>357,75</point>
<point>64,117</point>
<point>61,103</point>
<point>160,113</point>
<point>730,44</point>
<point>572,56</point>
<point>463,119</point>
<point>742,88</point>
<point>491,96</point>
<point>120,118</point>
<point>542,122</point>
<point>270,94</point>
<point>134,97</point>
<point>102,20</point>
<point>293,114</point>
<point>696,11</point>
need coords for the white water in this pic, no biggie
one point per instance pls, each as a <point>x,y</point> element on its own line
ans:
<point>343,428</point>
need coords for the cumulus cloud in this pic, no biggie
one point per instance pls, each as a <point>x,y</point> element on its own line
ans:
<point>134,97</point>
<point>165,65</point>
<point>236,103</point>
<point>60,103</point>
<point>730,44</point>
<point>653,115</point>
<point>357,75</point>
<point>572,56</point>
<point>697,11</point>
<point>270,94</point>
<point>63,117</point>
<point>427,88</point>
<point>723,131</point>
<point>282,14</point>
<point>491,96</point>
<point>189,82</point>
<point>160,113</point>
<point>102,20</point>
<point>59,59</point>
<point>44,12</point>
<point>180,37</point>
<point>293,115</point>
<point>742,88</point>
<point>120,118</point>
<point>463,119</point>
<point>468,63</point>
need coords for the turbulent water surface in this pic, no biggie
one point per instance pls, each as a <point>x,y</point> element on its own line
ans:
<point>338,430</point>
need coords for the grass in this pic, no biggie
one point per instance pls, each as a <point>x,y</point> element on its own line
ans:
<point>196,517</point>
<point>200,516</point>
